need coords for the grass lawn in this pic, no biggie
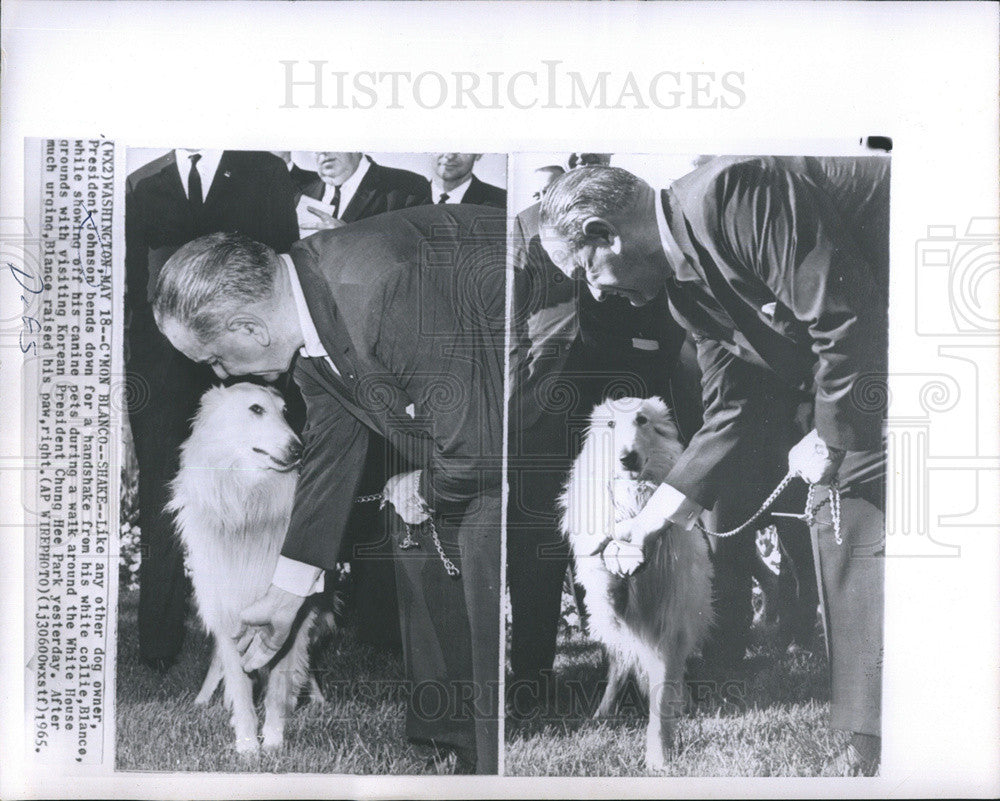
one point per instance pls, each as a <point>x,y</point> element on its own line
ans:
<point>358,730</point>
<point>768,721</point>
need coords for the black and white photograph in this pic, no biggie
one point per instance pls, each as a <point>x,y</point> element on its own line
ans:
<point>696,523</point>
<point>315,366</point>
<point>649,447</point>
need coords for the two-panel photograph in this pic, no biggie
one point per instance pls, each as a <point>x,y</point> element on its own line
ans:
<point>541,464</point>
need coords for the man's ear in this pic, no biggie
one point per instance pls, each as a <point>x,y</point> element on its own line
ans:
<point>600,230</point>
<point>251,326</point>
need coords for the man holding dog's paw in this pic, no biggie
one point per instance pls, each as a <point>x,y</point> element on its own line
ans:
<point>779,269</point>
<point>395,325</point>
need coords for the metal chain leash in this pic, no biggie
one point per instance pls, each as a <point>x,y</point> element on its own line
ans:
<point>763,508</point>
<point>409,542</point>
<point>375,496</point>
<point>834,498</point>
<point>808,515</point>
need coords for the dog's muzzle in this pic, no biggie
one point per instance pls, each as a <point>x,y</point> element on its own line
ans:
<point>290,458</point>
<point>630,461</point>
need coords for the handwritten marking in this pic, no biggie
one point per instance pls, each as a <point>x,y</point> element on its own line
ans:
<point>100,241</point>
<point>27,321</point>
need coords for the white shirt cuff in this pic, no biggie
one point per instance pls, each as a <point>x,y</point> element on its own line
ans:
<point>298,578</point>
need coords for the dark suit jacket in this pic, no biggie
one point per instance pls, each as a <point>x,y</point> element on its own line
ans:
<point>410,307</point>
<point>481,193</point>
<point>639,345</point>
<point>785,271</point>
<point>250,193</point>
<point>382,189</point>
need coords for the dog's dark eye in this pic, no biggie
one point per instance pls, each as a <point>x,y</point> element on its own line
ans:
<point>257,409</point>
<point>641,420</point>
<point>611,424</point>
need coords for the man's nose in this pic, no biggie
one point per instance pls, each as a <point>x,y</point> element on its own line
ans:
<point>598,294</point>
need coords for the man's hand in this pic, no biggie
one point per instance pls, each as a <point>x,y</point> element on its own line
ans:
<point>403,492</point>
<point>665,505</point>
<point>265,625</point>
<point>324,220</point>
<point>813,460</point>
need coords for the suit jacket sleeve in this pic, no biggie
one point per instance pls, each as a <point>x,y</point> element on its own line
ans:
<point>787,232</point>
<point>335,444</point>
<point>735,398</point>
<point>453,372</point>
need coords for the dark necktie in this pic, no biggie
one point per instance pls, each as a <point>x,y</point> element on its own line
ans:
<point>195,197</point>
<point>443,198</point>
<point>335,202</point>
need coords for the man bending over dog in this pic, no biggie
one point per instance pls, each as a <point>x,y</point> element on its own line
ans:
<point>779,268</point>
<point>395,325</point>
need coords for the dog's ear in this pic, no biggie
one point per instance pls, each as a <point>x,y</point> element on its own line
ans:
<point>252,326</point>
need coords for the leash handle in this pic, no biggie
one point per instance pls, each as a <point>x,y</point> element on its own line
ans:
<point>409,541</point>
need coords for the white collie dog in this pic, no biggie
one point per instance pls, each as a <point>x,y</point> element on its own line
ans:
<point>233,500</point>
<point>651,621</point>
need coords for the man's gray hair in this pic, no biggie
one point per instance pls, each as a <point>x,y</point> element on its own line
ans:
<point>210,278</point>
<point>586,192</point>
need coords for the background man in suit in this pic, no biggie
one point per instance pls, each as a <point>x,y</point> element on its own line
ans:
<point>168,202</point>
<point>378,334</point>
<point>542,178</point>
<point>454,182</point>
<point>356,188</point>
<point>779,267</point>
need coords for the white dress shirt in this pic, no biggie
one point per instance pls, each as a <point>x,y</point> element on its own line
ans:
<point>291,575</point>
<point>207,166</point>
<point>454,195</point>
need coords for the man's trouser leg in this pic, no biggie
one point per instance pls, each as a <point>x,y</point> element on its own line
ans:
<point>763,463</point>
<point>479,543</point>
<point>451,633</point>
<point>851,580</point>
<point>367,546</point>
<point>537,553</point>
<point>159,415</point>
<point>437,645</point>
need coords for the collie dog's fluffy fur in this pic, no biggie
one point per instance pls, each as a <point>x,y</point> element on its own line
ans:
<point>233,499</point>
<point>652,621</point>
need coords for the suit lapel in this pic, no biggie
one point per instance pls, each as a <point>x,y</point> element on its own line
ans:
<point>328,322</point>
<point>367,190</point>
<point>220,185</point>
<point>322,373</point>
<point>474,194</point>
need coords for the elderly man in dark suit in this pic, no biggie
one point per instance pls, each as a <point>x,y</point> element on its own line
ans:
<point>779,268</point>
<point>168,202</point>
<point>356,188</point>
<point>398,326</point>
<point>455,182</point>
